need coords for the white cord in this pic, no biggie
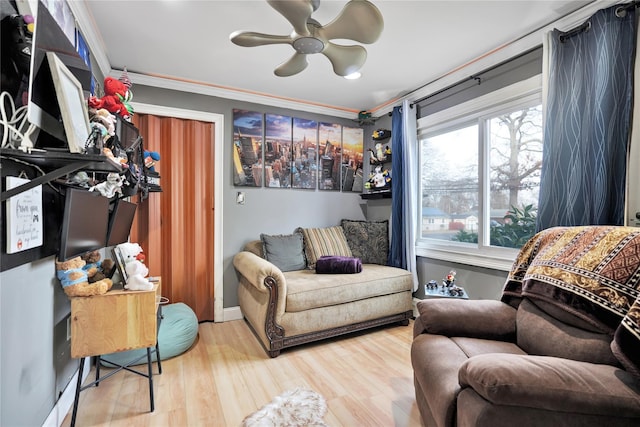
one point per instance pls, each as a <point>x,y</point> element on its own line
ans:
<point>13,124</point>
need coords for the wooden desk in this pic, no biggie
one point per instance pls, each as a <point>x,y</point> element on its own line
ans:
<point>119,320</point>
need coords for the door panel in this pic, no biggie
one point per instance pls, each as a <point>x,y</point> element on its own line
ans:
<point>179,222</point>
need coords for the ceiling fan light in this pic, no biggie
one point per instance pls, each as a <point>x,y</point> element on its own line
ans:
<point>353,76</point>
<point>308,45</point>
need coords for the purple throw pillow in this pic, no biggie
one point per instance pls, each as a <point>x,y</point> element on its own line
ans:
<point>328,264</point>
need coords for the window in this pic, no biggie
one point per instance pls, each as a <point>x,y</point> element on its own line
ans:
<point>480,176</point>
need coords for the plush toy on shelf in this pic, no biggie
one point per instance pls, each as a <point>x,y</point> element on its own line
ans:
<point>111,186</point>
<point>116,99</point>
<point>134,267</point>
<point>150,160</point>
<point>379,178</point>
<point>97,269</point>
<point>75,281</point>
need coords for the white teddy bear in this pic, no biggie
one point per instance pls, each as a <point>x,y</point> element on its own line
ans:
<point>135,269</point>
<point>136,277</point>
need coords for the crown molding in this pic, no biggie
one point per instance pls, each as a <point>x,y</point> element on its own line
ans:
<point>235,94</point>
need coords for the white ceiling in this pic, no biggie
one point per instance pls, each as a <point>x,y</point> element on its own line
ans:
<point>422,41</point>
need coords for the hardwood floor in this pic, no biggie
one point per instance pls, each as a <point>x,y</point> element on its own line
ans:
<point>366,379</point>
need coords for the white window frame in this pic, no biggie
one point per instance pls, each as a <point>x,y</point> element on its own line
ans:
<point>471,112</point>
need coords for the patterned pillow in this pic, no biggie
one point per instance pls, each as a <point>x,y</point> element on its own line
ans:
<point>284,251</point>
<point>324,241</point>
<point>368,240</point>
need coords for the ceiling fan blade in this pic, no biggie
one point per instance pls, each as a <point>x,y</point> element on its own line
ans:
<point>359,20</point>
<point>345,59</point>
<point>294,65</point>
<point>251,39</point>
<point>297,12</point>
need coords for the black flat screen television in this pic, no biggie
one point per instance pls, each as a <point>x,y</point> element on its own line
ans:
<point>120,222</point>
<point>84,224</point>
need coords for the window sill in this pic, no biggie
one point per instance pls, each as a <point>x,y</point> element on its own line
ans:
<point>503,262</point>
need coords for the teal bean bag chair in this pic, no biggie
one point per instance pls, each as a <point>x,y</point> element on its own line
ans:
<point>178,331</point>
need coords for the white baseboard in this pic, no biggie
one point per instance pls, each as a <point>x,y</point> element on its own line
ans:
<point>232,313</point>
<point>65,403</point>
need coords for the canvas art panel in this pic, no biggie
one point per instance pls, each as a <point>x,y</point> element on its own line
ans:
<point>329,155</point>
<point>247,144</point>
<point>304,169</point>
<point>352,158</point>
<point>277,151</point>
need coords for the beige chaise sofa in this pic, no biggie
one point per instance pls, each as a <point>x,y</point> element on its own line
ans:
<point>288,308</point>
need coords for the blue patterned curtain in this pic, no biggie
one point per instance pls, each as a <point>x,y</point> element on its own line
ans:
<point>402,252</point>
<point>587,122</point>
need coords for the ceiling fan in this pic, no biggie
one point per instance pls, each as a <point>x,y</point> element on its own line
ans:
<point>359,20</point>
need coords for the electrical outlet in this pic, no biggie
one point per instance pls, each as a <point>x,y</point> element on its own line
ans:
<point>69,328</point>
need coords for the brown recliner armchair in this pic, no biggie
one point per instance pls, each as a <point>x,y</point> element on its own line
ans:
<point>562,348</point>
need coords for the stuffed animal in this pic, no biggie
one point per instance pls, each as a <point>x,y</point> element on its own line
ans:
<point>104,121</point>
<point>131,251</point>
<point>96,269</point>
<point>111,186</point>
<point>136,277</point>
<point>115,100</point>
<point>74,279</point>
<point>150,159</point>
<point>134,267</point>
<point>116,161</point>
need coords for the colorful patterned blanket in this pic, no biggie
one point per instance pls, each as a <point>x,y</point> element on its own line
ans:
<point>592,272</point>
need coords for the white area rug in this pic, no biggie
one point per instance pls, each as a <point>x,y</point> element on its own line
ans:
<point>294,408</point>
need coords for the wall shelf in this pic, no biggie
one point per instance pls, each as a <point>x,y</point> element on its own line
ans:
<point>55,164</point>
<point>376,195</point>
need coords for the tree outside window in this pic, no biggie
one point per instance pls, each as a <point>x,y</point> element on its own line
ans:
<point>452,179</point>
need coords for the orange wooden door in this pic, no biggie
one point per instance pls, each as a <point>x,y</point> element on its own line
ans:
<point>176,227</point>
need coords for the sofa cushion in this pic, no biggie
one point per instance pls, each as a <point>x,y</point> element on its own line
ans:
<point>324,241</point>
<point>255,247</point>
<point>307,290</point>
<point>468,318</point>
<point>552,383</point>
<point>541,334</point>
<point>368,240</point>
<point>285,251</point>
<point>436,360</point>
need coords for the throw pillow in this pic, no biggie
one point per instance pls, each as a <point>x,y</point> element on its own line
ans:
<point>368,240</point>
<point>284,251</point>
<point>324,241</point>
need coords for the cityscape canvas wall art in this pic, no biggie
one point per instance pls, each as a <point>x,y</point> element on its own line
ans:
<point>352,158</point>
<point>329,154</point>
<point>247,144</point>
<point>277,151</point>
<point>304,169</point>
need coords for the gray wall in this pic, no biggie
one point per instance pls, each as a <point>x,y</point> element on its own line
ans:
<point>35,362</point>
<point>266,210</point>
